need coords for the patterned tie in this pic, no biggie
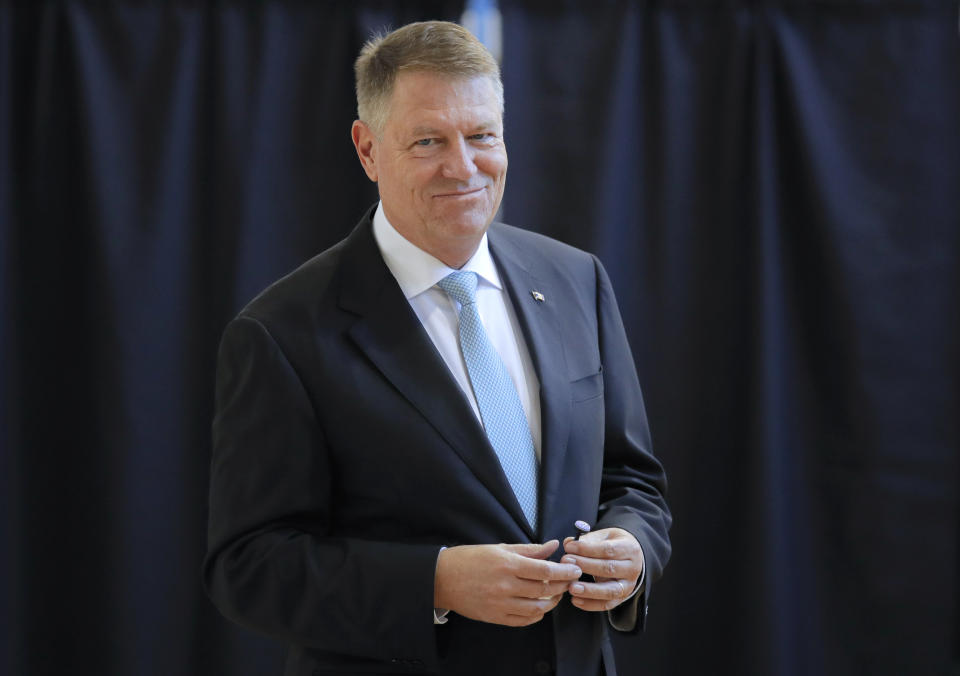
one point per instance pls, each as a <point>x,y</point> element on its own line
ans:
<point>500,408</point>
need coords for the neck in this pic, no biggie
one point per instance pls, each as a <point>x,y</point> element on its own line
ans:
<point>454,259</point>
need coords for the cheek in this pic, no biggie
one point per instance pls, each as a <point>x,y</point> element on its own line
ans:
<point>494,164</point>
<point>419,180</point>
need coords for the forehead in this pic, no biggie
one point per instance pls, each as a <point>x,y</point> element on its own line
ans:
<point>422,98</point>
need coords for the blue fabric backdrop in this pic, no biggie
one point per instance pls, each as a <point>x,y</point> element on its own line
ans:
<point>773,187</point>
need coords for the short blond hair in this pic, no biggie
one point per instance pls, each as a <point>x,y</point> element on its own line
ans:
<point>440,47</point>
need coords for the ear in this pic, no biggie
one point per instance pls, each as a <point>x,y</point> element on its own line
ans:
<point>365,141</point>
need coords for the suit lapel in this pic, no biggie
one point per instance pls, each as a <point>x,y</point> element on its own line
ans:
<point>539,320</point>
<point>390,335</point>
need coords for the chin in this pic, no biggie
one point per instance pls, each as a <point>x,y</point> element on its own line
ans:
<point>465,225</point>
<point>469,228</point>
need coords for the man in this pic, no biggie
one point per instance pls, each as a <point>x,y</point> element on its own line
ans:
<point>409,425</point>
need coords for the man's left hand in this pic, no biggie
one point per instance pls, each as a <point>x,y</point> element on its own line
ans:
<point>614,558</point>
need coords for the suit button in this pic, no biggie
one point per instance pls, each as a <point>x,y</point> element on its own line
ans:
<point>542,667</point>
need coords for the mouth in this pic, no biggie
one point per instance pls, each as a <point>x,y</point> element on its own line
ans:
<point>461,193</point>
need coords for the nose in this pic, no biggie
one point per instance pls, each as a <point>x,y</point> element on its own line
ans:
<point>458,162</point>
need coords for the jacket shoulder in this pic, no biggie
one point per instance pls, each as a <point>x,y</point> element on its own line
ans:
<point>542,254</point>
<point>309,282</point>
<point>532,241</point>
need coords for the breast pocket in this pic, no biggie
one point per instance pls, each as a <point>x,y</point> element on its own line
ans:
<point>590,387</point>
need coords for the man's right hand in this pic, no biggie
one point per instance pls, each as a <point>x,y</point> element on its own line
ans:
<point>503,584</point>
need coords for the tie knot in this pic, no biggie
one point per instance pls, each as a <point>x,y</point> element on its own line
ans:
<point>460,285</point>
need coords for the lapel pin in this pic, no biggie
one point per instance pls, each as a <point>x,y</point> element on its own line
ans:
<point>537,296</point>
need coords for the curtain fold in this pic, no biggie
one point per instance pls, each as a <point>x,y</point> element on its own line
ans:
<point>161,163</point>
<point>773,188</point>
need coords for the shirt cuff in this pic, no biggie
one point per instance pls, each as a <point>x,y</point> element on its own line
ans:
<point>440,614</point>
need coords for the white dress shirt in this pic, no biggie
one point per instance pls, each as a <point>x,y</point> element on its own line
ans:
<point>417,273</point>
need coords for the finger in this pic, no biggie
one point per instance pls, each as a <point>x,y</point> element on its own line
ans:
<point>531,569</point>
<point>534,550</point>
<point>521,620</point>
<point>541,589</point>
<point>613,568</point>
<point>594,605</point>
<point>610,590</point>
<point>531,607</point>
<point>605,545</point>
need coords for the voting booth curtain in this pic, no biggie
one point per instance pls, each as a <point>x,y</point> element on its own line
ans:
<point>772,186</point>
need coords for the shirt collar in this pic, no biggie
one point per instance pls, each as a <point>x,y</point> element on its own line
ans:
<point>415,270</point>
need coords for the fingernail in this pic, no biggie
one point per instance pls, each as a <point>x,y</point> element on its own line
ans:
<point>568,559</point>
<point>577,588</point>
<point>578,571</point>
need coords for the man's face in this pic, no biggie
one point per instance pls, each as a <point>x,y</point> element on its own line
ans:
<point>440,163</point>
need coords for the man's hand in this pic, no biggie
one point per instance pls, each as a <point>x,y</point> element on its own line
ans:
<point>502,584</point>
<point>614,558</point>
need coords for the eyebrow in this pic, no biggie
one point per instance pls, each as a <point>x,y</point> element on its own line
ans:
<point>432,131</point>
<point>423,131</point>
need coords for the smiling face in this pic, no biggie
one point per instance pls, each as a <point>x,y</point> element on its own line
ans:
<point>440,162</point>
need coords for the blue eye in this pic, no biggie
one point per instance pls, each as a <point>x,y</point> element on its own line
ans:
<point>424,141</point>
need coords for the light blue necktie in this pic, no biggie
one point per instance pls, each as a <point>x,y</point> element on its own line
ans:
<point>500,408</point>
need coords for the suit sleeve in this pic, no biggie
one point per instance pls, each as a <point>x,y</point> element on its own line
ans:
<point>633,485</point>
<point>273,564</point>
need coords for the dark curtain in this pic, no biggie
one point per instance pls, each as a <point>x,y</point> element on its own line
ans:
<point>160,163</point>
<point>773,187</point>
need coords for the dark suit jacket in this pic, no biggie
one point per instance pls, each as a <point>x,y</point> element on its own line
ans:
<point>345,455</point>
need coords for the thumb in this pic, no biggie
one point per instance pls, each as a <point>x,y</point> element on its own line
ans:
<point>533,550</point>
